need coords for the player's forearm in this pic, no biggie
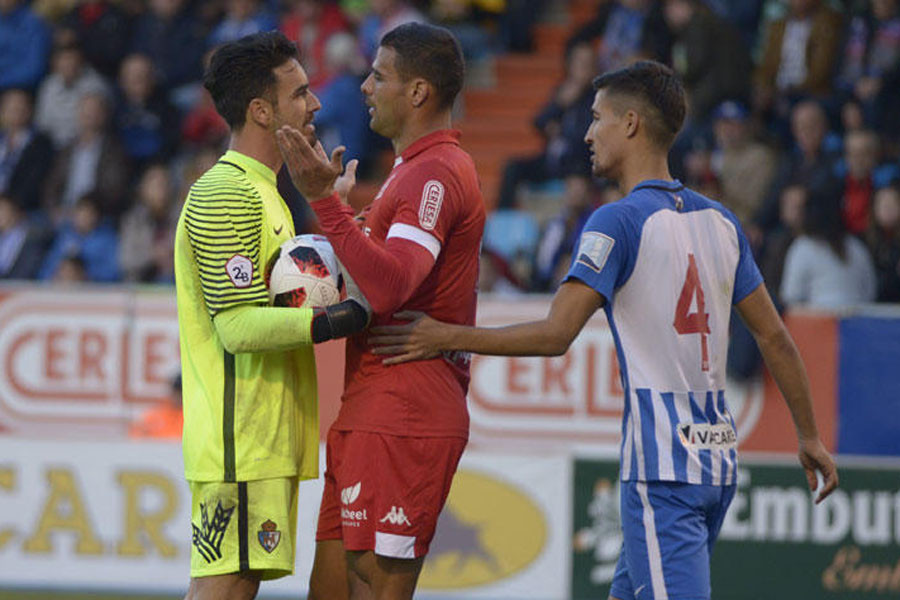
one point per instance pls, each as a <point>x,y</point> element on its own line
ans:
<point>250,328</point>
<point>786,367</point>
<point>536,338</point>
<point>386,278</point>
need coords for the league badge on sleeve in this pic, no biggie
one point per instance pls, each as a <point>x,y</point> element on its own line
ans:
<point>240,270</point>
<point>594,249</point>
<point>269,536</point>
<point>430,207</point>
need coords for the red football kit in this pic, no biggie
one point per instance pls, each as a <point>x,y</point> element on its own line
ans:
<point>401,429</point>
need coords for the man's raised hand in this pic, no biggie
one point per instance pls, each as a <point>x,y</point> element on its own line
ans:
<point>312,172</point>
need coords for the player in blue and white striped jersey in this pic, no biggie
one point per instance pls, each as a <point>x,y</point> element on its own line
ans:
<point>666,264</point>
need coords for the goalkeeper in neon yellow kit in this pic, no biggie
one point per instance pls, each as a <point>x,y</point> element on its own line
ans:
<point>249,376</point>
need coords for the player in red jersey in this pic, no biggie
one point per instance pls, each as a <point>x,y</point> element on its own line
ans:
<point>395,445</point>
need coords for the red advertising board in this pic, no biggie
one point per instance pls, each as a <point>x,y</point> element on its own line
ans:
<point>80,362</point>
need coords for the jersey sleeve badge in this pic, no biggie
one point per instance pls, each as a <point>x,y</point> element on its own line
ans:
<point>594,249</point>
<point>240,271</point>
<point>430,206</point>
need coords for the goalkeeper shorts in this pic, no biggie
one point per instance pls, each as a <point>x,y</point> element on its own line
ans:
<point>244,526</point>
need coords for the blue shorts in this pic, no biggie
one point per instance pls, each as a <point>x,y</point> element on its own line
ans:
<point>669,530</point>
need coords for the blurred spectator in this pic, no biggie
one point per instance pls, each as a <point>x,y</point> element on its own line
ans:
<point>496,276</point>
<point>343,118</point>
<point>70,270</point>
<point>104,32</point>
<point>883,238</point>
<point>24,44</point>
<point>203,125</point>
<point>148,229</point>
<point>462,18</point>
<point>174,39</point>
<point>871,66</point>
<point>165,420</point>
<point>744,15</point>
<point>852,118</point>
<point>563,122</point>
<point>743,166</point>
<point>383,16</point>
<point>88,237</point>
<point>517,21</point>
<point>22,245</point>
<point>61,92</point>
<point>861,154</point>
<point>311,24</point>
<point>808,164</point>
<point>145,122</point>
<point>825,267</point>
<point>709,56</point>
<point>554,249</point>
<point>25,153</point>
<point>94,161</point>
<point>791,211</point>
<point>628,29</point>
<point>799,56</point>
<point>512,235</point>
<point>242,17</point>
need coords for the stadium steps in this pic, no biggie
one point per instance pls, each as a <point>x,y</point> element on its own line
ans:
<point>497,121</point>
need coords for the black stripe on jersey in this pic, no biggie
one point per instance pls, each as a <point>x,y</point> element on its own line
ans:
<point>243,527</point>
<point>231,164</point>
<point>228,418</point>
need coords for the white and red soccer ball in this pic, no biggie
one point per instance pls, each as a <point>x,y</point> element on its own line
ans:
<point>305,272</point>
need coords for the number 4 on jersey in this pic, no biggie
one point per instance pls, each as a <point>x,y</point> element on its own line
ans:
<point>695,322</point>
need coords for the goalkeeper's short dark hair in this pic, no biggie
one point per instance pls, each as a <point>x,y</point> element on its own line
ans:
<point>242,70</point>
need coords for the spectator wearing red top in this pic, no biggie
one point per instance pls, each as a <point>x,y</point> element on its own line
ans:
<point>310,24</point>
<point>861,153</point>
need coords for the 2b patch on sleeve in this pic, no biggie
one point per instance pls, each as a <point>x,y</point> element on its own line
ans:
<point>430,206</point>
<point>240,271</point>
<point>594,249</point>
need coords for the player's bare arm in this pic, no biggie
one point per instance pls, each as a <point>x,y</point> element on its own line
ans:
<point>573,304</point>
<point>786,367</point>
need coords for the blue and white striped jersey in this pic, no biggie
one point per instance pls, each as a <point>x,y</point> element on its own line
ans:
<point>670,263</point>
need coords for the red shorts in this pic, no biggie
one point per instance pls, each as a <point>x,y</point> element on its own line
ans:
<point>385,492</point>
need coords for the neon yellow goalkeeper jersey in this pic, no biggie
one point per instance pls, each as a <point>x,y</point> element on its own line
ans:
<point>251,415</point>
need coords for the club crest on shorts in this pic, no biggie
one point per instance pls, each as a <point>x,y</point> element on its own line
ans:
<point>430,206</point>
<point>268,536</point>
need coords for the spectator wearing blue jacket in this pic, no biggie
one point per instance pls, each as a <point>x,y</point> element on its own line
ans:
<point>174,39</point>
<point>343,118</point>
<point>24,46</point>
<point>86,237</point>
<point>242,17</point>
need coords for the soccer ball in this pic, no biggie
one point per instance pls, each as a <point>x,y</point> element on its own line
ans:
<point>305,272</point>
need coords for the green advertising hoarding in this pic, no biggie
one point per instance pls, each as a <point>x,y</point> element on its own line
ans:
<point>775,544</point>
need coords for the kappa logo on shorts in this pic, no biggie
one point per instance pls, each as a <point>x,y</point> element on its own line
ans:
<point>268,536</point>
<point>396,516</point>
<point>430,207</point>
<point>208,537</point>
<point>240,270</point>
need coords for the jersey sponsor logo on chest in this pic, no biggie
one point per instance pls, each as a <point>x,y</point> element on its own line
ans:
<point>705,436</point>
<point>430,205</point>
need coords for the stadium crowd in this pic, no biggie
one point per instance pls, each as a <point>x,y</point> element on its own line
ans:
<point>104,124</point>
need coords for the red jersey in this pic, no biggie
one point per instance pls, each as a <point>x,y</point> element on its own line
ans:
<point>432,198</point>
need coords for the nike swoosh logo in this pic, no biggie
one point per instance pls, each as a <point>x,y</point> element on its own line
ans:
<point>638,591</point>
<point>278,229</point>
